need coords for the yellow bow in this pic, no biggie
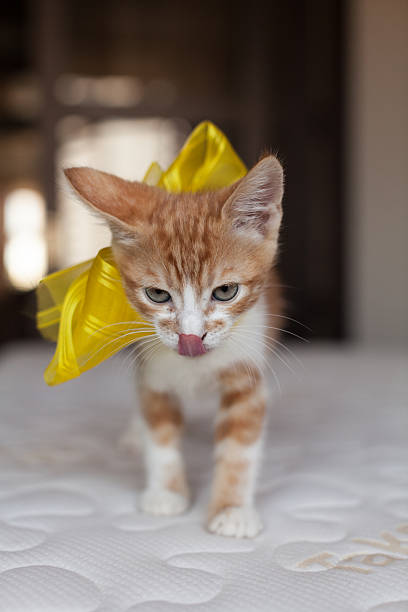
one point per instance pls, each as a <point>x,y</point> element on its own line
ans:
<point>84,308</point>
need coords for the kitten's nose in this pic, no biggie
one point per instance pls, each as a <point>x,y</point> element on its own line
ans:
<point>190,345</point>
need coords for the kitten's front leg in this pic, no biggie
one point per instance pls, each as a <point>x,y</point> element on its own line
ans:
<point>166,487</point>
<point>238,432</point>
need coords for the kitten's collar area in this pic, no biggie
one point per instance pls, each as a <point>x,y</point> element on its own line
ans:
<point>191,345</point>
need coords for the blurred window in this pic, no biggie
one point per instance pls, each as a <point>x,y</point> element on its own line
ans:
<point>125,147</point>
<point>25,251</point>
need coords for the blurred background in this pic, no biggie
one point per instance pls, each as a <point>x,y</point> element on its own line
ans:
<point>115,85</point>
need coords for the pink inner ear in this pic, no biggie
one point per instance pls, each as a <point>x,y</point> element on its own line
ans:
<point>256,202</point>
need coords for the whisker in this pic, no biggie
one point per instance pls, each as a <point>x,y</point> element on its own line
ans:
<point>127,343</point>
<point>268,365</point>
<point>285,331</point>
<point>135,323</point>
<point>280,316</point>
<point>117,337</point>
<point>250,374</point>
<point>130,329</point>
<point>127,360</point>
<point>264,360</point>
<point>149,351</point>
<point>278,355</point>
<point>274,352</point>
<point>253,380</point>
<point>145,354</point>
<point>145,342</point>
<point>111,341</point>
<point>288,350</point>
<point>275,341</point>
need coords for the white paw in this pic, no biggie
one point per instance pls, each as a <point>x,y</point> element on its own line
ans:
<point>236,523</point>
<point>163,502</point>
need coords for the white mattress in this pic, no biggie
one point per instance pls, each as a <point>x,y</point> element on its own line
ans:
<point>333,494</point>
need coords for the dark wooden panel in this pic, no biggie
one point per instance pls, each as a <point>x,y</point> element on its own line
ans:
<point>306,128</point>
<point>270,74</point>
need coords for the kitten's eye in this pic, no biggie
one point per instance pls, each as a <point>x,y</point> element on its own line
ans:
<point>157,295</point>
<point>224,293</point>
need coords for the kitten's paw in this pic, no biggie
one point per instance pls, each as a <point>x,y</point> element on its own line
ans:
<point>162,502</point>
<point>236,523</point>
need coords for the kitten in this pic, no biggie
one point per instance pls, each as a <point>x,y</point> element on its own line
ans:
<point>197,266</point>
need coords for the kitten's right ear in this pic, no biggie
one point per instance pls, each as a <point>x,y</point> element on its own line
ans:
<point>121,202</point>
<point>255,206</point>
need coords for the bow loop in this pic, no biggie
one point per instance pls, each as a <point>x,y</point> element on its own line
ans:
<point>84,308</point>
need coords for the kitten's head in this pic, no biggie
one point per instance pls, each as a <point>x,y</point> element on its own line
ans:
<point>191,263</point>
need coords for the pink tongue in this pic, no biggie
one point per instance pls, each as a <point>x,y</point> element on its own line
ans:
<point>190,345</point>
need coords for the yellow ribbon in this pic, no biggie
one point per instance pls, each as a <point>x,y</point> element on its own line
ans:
<point>84,308</point>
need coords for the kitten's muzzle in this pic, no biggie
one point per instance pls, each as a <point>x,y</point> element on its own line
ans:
<point>190,345</point>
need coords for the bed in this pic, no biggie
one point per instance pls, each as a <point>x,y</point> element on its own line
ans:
<point>333,494</point>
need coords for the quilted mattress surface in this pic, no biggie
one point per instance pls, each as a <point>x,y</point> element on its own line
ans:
<point>333,494</point>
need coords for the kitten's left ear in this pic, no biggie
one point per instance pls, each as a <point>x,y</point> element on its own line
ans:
<point>124,205</point>
<point>116,199</point>
<point>255,206</point>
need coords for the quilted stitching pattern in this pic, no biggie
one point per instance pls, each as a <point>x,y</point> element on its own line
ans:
<point>333,494</point>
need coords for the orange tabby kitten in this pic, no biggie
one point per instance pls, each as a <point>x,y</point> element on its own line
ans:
<point>196,265</point>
